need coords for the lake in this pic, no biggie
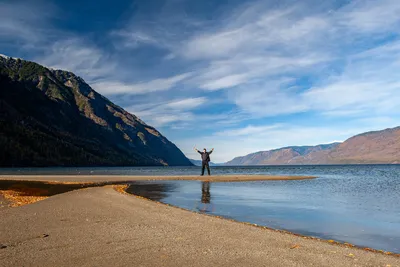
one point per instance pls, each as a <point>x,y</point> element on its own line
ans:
<point>359,204</point>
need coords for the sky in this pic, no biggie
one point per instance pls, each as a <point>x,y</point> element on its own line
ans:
<point>237,76</point>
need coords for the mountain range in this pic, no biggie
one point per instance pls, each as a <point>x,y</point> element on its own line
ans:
<point>377,147</point>
<point>54,118</point>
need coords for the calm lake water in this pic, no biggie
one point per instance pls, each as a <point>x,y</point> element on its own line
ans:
<point>359,204</point>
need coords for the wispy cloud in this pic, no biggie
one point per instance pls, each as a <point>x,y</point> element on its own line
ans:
<point>25,21</point>
<point>79,56</point>
<point>367,84</point>
<point>134,39</point>
<point>371,16</point>
<point>248,130</point>
<point>257,32</point>
<point>162,113</point>
<point>188,103</point>
<point>260,44</point>
<point>30,27</point>
<point>292,43</point>
<point>268,99</point>
<point>161,84</point>
<point>190,114</point>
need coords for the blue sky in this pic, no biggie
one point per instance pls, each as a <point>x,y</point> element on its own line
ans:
<point>239,76</point>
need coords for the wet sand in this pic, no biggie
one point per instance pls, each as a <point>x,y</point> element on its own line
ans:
<point>98,226</point>
<point>127,178</point>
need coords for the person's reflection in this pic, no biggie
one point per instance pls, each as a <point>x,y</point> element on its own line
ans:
<point>205,196</point>
<point>205,192</point>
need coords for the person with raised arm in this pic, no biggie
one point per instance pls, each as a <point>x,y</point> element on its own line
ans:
<point>205,160</point>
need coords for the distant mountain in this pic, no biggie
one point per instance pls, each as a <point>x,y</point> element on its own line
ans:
<point>53,118</point>
<point>376,147</point>
<point>198,162</point>
<point>367,148</point>
<point>285,155</point>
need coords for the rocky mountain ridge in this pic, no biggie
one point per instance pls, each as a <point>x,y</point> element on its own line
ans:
<point>54,118</point>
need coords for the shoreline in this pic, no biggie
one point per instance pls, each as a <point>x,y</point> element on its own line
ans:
<point>129,178</point>
<point>100,226</point>
<point>21,189</point>
<point>122,189</point>
<point>100,191</point>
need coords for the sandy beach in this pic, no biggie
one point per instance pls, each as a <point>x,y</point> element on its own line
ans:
<point>99,226</point>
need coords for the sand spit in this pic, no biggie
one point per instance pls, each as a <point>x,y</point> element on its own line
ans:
<point>125,178</point>
<point>18,190</point>
<point>102,227</point>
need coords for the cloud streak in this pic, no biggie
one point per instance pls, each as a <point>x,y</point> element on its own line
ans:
<point>162,113</point>
<point>25,21</point>
<point>78,56</point>
<point>110,88</point>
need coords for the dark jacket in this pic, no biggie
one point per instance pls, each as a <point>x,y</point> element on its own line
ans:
<point>205,156</point>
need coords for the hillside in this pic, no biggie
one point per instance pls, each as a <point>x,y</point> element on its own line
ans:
<point>285,155</point>
<point>376,147</point>
<point>53,118</point>
<point>371,147</point>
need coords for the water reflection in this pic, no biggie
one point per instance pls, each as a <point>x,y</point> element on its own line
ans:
<point>356,208</point>
<point>206,205</point>
<point>153,191</point>
<point>205,192</point>
<point>162,191</point>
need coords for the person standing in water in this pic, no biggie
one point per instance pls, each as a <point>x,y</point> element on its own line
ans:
<point>205,159</point>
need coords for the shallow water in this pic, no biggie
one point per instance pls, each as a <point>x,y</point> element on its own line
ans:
<point>359,204</point>
<point>331,170</point>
